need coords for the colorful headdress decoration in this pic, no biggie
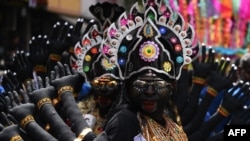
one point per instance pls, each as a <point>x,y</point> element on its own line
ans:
<point>153,39</point>
<point>89,60</point>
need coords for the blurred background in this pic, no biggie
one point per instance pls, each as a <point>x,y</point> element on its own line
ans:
<point>224,24</point>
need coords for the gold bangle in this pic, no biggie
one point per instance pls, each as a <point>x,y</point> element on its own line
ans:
<point>64,89</point>
<point>211,91</point>
<point>40,68</point>
<point>83,134</point>
<point>198,80</point>
<point>43,101</point>
<point>223,111</point>
<point>16,138</point>
<point>54,57</point>
<point>26,120</point>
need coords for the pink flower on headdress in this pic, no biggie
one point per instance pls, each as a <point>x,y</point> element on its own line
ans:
<point>124,21</point>
<point>112,32</point>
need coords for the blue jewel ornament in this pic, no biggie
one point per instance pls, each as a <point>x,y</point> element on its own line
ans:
<point>86,87</point>
<point>162,30</point>
<point>179,59</point>
<point>123,49</point>
<point>121,61</point>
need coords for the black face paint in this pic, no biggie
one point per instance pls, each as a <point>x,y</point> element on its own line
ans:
<point>149,93</point>
<point>105,90</point>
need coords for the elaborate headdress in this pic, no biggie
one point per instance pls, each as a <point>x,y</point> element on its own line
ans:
<point>153,39</point>
<point>90,62</point>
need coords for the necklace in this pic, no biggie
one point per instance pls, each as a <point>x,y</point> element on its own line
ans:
<point>153,131</point>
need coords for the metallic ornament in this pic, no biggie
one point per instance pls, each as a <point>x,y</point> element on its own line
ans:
<point>167,66</point>
<point>148,31</point>
<point>87,58</point>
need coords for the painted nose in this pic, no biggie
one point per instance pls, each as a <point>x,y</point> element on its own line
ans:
<point>150,90</point>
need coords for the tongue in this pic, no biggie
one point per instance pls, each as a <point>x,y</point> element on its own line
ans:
<point>149,106</point>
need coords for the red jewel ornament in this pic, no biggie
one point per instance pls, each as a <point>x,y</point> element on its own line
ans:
<point>73,65</point>
<point>178,47</point>
<point>78,50</point>
<point>94,33</point>
<point>94,50</point>
<point>86,42</point>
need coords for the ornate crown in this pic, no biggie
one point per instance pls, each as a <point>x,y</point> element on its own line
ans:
<point>89,61</point>
<point>153,39</point>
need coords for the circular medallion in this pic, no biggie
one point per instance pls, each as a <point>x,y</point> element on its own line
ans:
<point>106,64</point>
<point>149,51</point>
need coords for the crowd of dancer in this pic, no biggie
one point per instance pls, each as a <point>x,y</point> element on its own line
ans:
<point>138,76</point>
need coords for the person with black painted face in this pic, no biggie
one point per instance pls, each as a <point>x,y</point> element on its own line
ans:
<point>149,48</point>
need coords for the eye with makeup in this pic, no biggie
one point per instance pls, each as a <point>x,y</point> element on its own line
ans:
<point>108,84</point>
<point>159,85</point>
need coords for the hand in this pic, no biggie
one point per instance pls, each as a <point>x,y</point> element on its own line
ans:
<point>23,67</point>
<point>39,54</point>
<point>10,81</point>
<point>74,34</point>
<point>220,76</point>
<point>57,44</point>
<point>235,98</point>
<point>203,66</point>
<point>56,40</point>
<point>64,77</point>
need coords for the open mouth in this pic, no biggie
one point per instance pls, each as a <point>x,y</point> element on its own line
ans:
<point>149,106</point>
<point>103,100</point>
